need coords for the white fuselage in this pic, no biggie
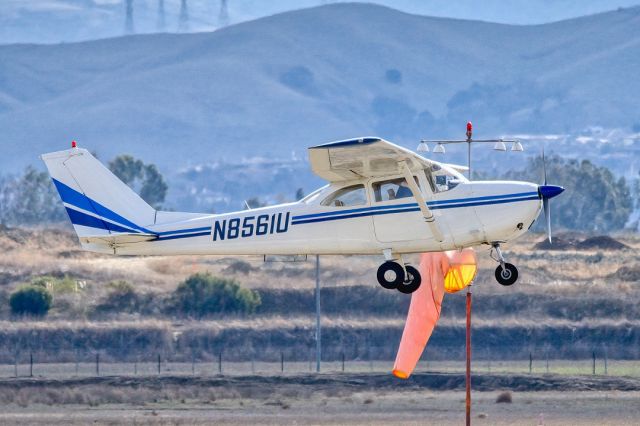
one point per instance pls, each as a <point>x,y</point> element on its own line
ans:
<point>469,214</point>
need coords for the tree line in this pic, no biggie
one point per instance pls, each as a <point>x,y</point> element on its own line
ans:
<point>31,198</point>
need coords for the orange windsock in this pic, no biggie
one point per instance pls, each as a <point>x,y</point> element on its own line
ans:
<point>463,266</point>
<point>423,315</point>
<point>457,268</point>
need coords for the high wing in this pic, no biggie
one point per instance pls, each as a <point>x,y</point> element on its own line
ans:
<point>362,158</point>
<point>372,157</point>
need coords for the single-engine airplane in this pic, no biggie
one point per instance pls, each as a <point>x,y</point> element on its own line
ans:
<point>381,199</point>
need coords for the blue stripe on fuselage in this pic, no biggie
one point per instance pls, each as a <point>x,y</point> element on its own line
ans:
<point>175,237</point>
<point>430,204</point>
<point>182,231</point>
<point>413,207</point>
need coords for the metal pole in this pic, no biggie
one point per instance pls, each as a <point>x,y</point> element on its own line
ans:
<point>469,158</point>
<point>318,329</point>
<point>468,336</point>
<point>468,372</point>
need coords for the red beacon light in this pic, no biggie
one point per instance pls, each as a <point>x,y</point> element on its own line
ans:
<point>469,130</point>
<point>74,144</point>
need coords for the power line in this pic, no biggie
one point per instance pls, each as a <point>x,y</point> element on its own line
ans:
<point>183,23</point>
<point>223,16</point>
<point>128,23</point>
<point>162,21</point>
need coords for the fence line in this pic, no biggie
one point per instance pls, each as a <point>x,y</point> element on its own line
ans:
<point>38,364</point>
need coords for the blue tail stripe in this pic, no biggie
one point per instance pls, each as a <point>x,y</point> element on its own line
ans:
<point>83,219</point>
<point>77,199</point>
<point>73,197</point>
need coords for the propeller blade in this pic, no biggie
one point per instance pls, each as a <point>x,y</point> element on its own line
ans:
<point>544,166</point>
<point>547,216</point>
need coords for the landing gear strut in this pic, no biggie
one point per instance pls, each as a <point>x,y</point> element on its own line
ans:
<point>393,276</point>
<point>506,273</point>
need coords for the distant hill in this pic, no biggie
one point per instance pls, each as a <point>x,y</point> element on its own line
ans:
<point>279,84</point>
<point>55,21</point>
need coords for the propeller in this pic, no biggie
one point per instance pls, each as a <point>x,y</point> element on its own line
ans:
<point>547,192</point>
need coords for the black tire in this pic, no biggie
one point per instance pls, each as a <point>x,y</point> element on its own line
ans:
<point>398,278</point>
<point>508,276</point>
<point>413,281</point>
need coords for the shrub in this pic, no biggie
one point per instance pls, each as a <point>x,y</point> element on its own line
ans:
<point>30,300</point>
<point>203,294</point>
<point>56,285</point>
<point>122,297</point>
<point>504,397</point>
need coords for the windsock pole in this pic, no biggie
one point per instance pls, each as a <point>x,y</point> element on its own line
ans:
<point>469,135</point>
<point>468,373</point>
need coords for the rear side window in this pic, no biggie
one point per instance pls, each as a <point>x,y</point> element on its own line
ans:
<point>348,196</point>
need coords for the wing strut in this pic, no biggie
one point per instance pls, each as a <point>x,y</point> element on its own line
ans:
<point>426,213</point>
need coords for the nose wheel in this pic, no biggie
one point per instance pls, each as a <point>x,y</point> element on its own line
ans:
<point>393,276</point>
<point>506,273</point>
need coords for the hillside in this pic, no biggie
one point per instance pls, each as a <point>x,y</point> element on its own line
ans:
<point>281,83</point>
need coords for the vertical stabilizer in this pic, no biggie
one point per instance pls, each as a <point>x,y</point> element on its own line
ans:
<point>98,203</point>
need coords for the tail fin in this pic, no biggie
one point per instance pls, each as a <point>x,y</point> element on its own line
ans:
<point>98,203</point>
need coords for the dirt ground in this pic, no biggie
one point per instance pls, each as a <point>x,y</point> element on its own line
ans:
<point>406,408</point>
<point>436,399</point>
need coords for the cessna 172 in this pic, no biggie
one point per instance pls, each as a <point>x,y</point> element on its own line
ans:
<point>381,199</point>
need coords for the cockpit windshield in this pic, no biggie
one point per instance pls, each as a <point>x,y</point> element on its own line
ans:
<point>442,178</point>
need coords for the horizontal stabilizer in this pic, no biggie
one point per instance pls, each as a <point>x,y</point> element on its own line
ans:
<point>118,239</point>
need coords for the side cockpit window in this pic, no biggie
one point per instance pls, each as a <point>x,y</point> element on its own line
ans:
<point>391,189</point>
<point>354,195</point>
<point>441,180</point>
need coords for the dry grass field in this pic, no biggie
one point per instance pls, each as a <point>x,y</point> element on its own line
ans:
<point>28,253</point>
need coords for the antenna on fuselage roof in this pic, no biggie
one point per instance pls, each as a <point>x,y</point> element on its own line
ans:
<point>499,145</point>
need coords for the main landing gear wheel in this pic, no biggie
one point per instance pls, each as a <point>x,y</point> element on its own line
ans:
<point>507,275</point>
<point>392,277</point>
<point>412,280</point>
